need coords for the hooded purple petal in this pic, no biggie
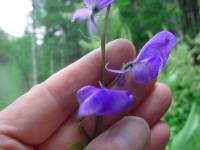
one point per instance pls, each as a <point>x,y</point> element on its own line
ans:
<point>152,58</point>
<point>146,71</point>
<point>101,4</point>
<point>105,102</point>
<point>158,46</point>
<point>85,92</point>
<point>81,14</point>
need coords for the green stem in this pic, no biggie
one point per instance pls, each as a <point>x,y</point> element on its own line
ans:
<point>82,129</point>
<point>103,46</point>
<point>99,121</point>
<point>103,63</point>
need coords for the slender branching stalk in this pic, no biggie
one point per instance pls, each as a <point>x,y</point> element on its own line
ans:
<point>99,120</point>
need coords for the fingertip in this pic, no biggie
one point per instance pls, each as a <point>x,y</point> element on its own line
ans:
<point>120,51</point>
<point>155,104</point>
<point>163,128</point>
<point>127,134</point>
<point>160,134</point>
<point>126,46</point>
<point>165,91</point>
<point>137,121</point>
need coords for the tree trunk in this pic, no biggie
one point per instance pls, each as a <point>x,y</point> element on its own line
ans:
<point>34,58</point>
<point>51,63</point>
<point>190,18</point>
<point>62,59</point>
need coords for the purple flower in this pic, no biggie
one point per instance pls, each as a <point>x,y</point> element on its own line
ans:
<point>100,102</point>
<point>151,59</point>
<point>92,8</point>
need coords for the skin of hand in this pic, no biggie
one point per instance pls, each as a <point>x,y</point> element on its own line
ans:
<point>43,118</point>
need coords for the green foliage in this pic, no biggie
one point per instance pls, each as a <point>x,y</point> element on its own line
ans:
<point>193,143</point>
<point>181,140</point>
<point>14,67</point>
<point>11,85</point>
<point>149,16</point>
<point>20,54</point>
<point>183,79</point>
<point>81,145</point>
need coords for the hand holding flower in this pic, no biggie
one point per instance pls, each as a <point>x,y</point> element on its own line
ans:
<point>42,119</point>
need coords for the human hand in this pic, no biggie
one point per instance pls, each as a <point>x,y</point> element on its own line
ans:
<point>42,119</point>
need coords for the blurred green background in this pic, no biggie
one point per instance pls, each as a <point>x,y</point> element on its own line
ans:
<point>51,42</point>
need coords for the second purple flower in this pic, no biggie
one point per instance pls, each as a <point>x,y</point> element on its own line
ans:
<point>151,59</point>
<point>92,8</point>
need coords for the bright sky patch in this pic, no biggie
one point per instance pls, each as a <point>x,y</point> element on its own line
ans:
<point>13,16</point>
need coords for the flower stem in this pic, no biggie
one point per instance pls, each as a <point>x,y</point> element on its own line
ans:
<point>103,63</point>
<point>103,46</point>
<point>82,129</point>
<point>99,121</point>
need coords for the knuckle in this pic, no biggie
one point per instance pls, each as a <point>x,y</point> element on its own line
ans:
<point>40,90</point>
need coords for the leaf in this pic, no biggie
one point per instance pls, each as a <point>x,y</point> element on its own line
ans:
<point>81,144</point>
<point>182,138</point>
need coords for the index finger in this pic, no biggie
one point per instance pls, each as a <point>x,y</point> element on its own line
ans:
<point>37,114</point>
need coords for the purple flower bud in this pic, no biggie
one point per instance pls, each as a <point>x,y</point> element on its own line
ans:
<point>92,8</point>
<point>81,14</point>
<point>100,102</point>
<point>151,59</point>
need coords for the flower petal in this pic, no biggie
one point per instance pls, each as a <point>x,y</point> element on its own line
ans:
<point>89,3</point>
<point>92,26</point>
<point>101,4</point>
<point>81,14</point>
<point>85,92</point>
<point>159,46</point>
<point>105,102</point>
<point>146,71</point>
<point>122,80</point>
<point>116,71</point>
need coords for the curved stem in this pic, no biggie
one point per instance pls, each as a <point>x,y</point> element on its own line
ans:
<point>116,78</point>
<point>125,66</point>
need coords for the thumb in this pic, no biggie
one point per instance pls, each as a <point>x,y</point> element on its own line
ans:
<point>130,133</point>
